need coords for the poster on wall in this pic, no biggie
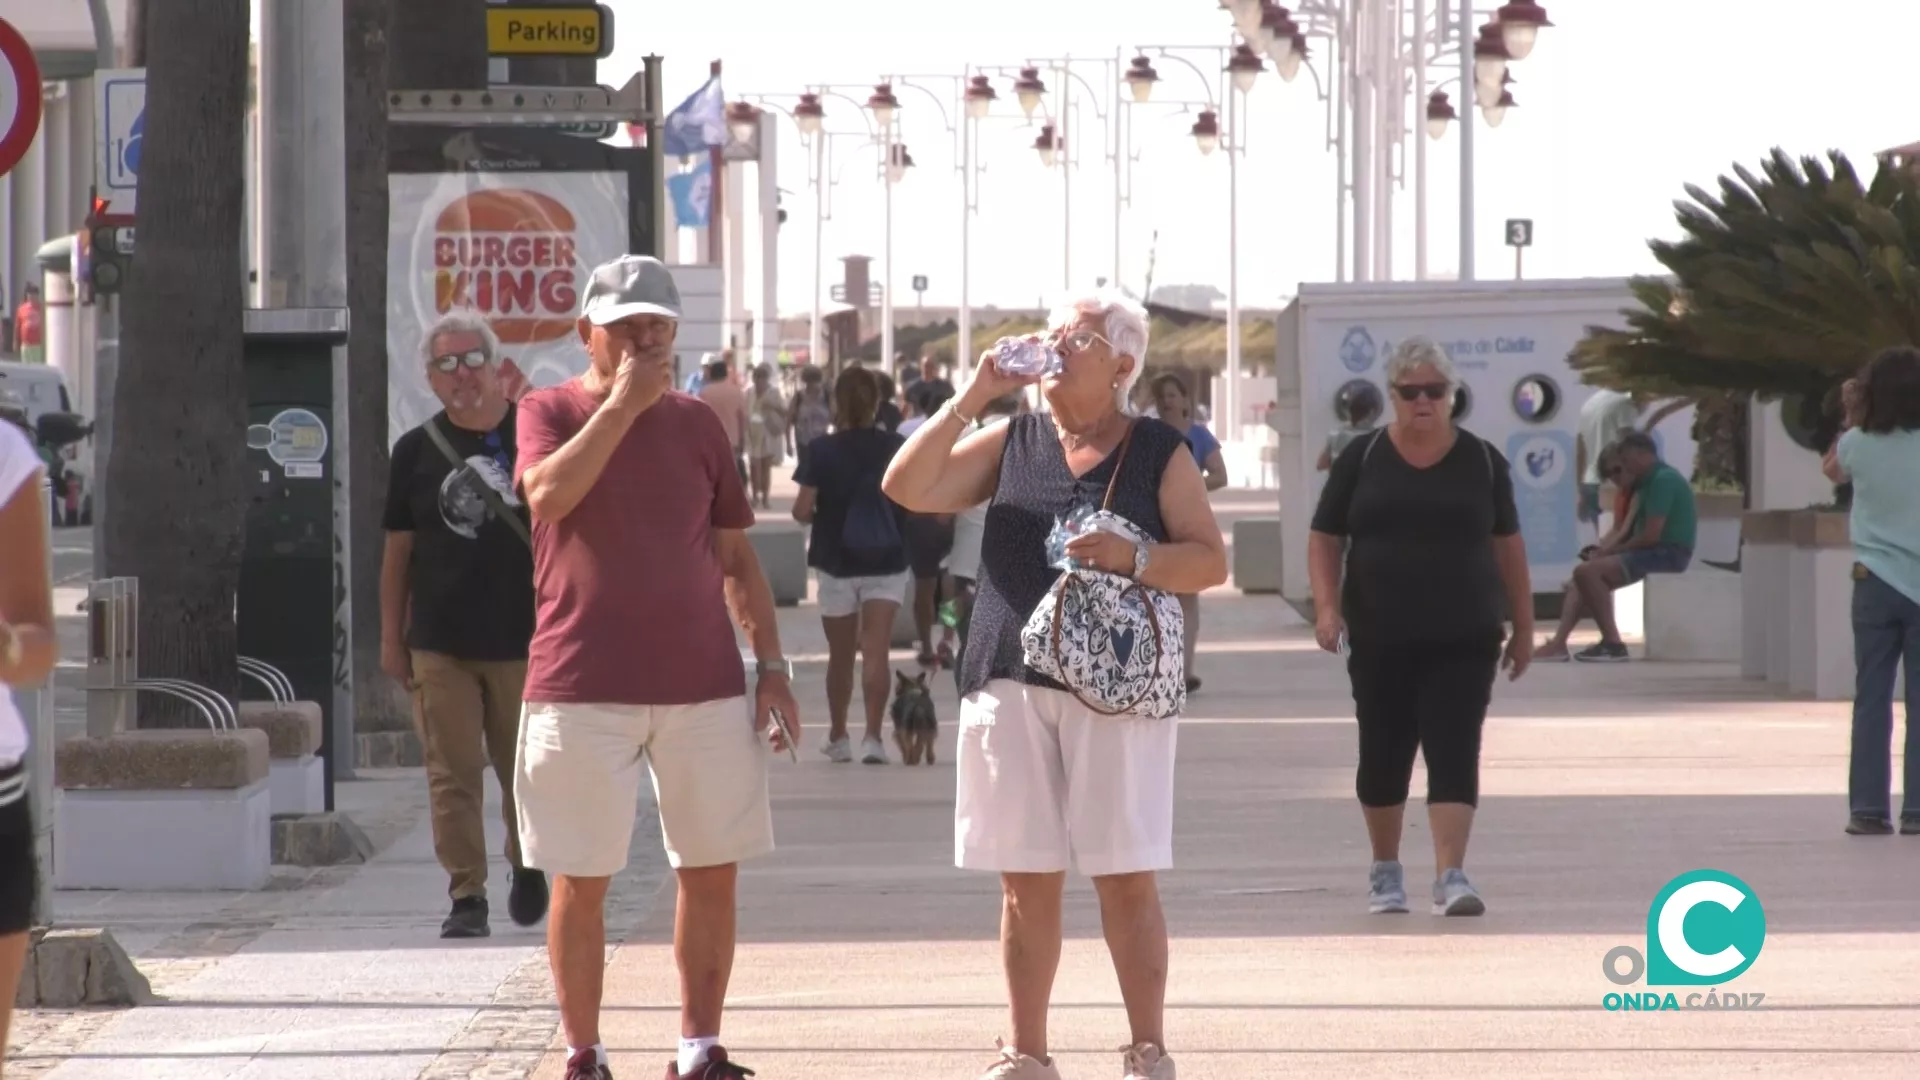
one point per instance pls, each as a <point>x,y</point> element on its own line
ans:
<point>506,224</point>
<point>1517,391</point>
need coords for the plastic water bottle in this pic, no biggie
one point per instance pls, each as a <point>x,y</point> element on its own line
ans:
<point>1020,357</point>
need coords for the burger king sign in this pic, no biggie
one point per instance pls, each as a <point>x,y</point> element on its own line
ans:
<point>514,248</point>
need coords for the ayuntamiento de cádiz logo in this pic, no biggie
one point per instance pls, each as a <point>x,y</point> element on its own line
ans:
<point>1704,929</point>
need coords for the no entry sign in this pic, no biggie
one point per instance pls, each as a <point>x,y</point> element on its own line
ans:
<point>19,97</point>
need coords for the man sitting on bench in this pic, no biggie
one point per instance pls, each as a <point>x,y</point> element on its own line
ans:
<point>1658,539</point>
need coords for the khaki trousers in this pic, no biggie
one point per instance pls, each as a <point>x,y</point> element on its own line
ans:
<point>467,713</point>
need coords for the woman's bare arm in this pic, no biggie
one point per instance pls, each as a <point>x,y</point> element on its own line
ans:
<point>1194,558</point>
<point>26,590</point>
<point>937,472</point>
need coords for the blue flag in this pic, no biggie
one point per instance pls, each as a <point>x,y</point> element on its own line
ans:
<point>692,194</point>
<point>699,124</point>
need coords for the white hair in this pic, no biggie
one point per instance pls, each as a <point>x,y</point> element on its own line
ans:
<point>462,322</point>
<point>1125,327</point>
<point>1418,352</point>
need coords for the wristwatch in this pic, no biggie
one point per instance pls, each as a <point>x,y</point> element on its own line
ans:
<point>781,666</point>
<point>1139,560</point>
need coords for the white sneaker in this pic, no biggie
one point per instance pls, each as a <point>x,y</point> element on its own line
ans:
<point>1146,1062</point>
<point>839,751</point>
<point>873,752</point>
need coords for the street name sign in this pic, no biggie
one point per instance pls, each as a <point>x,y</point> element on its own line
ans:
<point>524,30</point>
<point>19,97</point>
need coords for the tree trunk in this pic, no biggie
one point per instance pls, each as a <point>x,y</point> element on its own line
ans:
<point>179,418</point>
<point>379,703</point>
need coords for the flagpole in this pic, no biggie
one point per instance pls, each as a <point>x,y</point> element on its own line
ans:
<point>717,214</point>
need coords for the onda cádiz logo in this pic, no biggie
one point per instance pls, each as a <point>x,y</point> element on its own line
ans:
<point>1704,929</point>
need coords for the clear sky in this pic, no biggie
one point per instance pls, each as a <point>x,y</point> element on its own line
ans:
<point>1621,103</point>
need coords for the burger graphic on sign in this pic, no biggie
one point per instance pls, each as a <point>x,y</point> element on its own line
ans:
<point>511,256</point>
<point>514,248</point>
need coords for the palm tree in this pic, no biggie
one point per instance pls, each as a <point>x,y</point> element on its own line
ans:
<point>1783,285</point>
<point>178,498</point>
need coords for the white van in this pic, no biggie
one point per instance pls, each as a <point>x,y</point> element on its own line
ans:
<point>41,389</point>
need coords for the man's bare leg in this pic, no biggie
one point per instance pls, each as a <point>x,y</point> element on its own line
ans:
<point>577,953</point>
<point>1597,579</point>
<point>703,935</point>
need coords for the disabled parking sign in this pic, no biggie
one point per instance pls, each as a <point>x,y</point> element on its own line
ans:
<point>122,103</point>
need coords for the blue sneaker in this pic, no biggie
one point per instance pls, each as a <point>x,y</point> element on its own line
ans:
<point>1386,889</point>
<point>1453,894</point>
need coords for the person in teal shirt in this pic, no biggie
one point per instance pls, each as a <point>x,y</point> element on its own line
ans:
<point>1659,541</point>
<point>1880,455</point>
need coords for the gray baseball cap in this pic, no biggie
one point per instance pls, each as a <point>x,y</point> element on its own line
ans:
<point>630,285</point>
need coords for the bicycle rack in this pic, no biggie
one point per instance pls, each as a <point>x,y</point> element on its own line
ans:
<point>113,666</point>
<point>277,685</point>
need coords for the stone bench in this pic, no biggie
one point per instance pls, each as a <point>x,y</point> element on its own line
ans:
<point>1693,616</point>
<point>186,810</point>
<point>782,550</point>
<point>1256,555</point>
<point>296,777</point>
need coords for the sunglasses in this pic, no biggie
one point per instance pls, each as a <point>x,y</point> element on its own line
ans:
<point>473,359</point>
<point>1430,391</point>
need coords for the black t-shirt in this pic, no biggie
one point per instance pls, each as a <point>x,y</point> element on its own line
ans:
<point>1420,564</point>
<point>837,467</point>
<point>471,574</point>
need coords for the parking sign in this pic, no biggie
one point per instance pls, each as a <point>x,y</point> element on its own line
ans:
<point>122,127</point>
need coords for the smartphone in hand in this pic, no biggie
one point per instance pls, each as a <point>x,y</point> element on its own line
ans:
<point>793,737</point>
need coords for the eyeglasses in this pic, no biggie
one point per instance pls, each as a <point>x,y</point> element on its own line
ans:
<point>1079,341</point>
<point>1414,391</point>
<point>473,359</point>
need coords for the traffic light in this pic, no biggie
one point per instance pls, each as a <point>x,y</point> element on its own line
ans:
<point>110,249</point>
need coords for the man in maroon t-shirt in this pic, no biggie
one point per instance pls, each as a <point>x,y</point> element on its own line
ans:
<point>639,549</point>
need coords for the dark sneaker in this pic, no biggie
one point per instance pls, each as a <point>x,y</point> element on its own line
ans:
<point>1605,652</point>
<point>585,1065</point>
<point>1863,825</point>
<point>468,919</point>
<point>527,902</point>
<point>717,1067</point>
<point>1193,683</point>
<point>1910,826</point>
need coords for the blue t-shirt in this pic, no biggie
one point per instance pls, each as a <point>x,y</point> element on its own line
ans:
<point>1886,505</point>
<point>1203,444</point>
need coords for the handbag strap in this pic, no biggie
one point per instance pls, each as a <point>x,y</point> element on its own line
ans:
<point>494,502</point>
<point>1114,480</point>
<point>1059,661</point>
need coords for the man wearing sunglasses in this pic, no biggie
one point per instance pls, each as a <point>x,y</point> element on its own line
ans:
<point>456,608</point>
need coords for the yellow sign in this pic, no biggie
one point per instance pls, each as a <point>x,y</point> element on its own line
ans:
<point>517,30</point>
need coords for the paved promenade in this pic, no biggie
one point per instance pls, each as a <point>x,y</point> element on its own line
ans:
<point>865,955</point>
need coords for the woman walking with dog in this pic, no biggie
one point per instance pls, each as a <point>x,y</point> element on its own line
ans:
<point>858,550</point>
<point>1414,551</point>
<point>1046,782</point>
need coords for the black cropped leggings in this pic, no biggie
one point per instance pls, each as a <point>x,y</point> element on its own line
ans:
<point>1428,698</point>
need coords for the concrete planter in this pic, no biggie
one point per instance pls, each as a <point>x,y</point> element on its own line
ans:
<point>1797,590</point>
<point>1696,616</point>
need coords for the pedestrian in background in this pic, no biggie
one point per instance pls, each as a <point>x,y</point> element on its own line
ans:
<point>890,415</point>
<point>766,433</point>
<point>456,612</point>
<point>640,543</point>
<point>1045,783</point>
<point>929,536</point>
<point>1174,406</point>
<point>857,548</point>
<point>1414,552</point>
<point>810,412</point>
<point>28,649</point>
<point>1879,453</point>
<point>723,394</point>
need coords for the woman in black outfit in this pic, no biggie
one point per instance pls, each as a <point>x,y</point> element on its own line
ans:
<point>27,653</point>
<point>1423,513</point>
<point>1044,783</point>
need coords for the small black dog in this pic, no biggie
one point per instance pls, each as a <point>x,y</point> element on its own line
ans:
<point>915,727</point>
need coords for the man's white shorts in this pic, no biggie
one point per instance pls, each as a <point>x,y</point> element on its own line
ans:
<point>577,784</point>
<point>843,596</point>
<point>1046,783</point>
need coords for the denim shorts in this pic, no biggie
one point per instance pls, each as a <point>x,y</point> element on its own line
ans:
<point>1658,559</point>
